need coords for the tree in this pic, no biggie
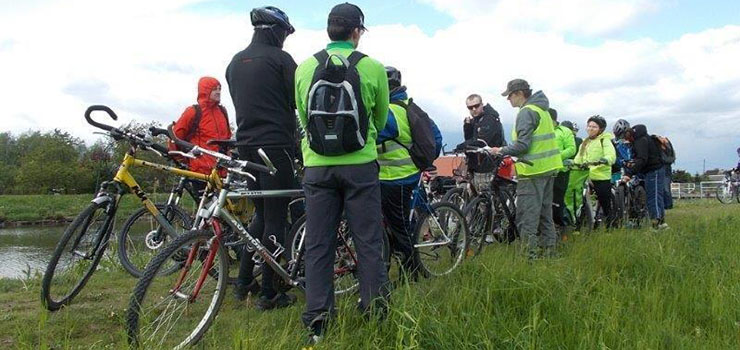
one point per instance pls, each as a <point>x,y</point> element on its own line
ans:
<point>681,176</point>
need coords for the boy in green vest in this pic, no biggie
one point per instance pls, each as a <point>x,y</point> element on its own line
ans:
<point>347,182</point>
<point>533,139</point>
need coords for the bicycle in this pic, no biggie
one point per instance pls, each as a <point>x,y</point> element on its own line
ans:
<point>729,189</point>
<point>492,212</point>
<point>84,241</point>
<point>162,305</point>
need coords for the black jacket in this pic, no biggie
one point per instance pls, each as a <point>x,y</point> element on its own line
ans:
<point>647,152</point>
<point>486,127</point>
<point>261,83</point>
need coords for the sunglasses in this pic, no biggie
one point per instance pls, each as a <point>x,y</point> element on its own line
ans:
<point>474,106</point>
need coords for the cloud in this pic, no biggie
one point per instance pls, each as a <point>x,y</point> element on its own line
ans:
<point>145,65</point>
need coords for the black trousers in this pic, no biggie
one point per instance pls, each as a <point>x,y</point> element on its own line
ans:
<point>396,204</point>
<point>331,190</point>
<point>605,197</point>
<point>560,186</point>
<point>271,214</point>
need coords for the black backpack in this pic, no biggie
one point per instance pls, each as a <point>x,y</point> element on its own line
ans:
<point>667,154</point>
<point>336,120</point>
<point>196,121</point>
<point>423,148</point>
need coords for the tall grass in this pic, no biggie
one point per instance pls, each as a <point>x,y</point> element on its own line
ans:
<point>625,289</point>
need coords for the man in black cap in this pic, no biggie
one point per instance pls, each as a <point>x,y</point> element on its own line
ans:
<point>342,176</point>
<point>261,84</point>
<point>533,141</point>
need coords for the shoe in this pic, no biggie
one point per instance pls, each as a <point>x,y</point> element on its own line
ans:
<point>279,301</point>
<point>317,327</point>
<point>663,226</point>
<point>489,239</point>
<point>241,291</point>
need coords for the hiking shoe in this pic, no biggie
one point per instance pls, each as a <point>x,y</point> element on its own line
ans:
<point>489,239</point>
<point>280,301</point>
<point>663,226</point>
<point>241,291</point>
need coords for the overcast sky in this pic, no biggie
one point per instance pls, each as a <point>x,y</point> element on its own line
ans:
<point>673,65</point>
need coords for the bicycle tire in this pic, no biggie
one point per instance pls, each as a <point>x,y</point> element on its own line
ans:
<point>153,282</point>
<point>639,205</point>
<point>504,221</point>
<point>428,231</point>
<point>136,266</point>
<point>724,194</point>
<point>586,219</point>
<point>83,221</point>
<point>456,196</point>
<point>619,204</point>
<point>478,217</point>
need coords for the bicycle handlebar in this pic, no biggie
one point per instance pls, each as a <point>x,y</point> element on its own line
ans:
<point>485,150</point>
<point>181,144</point>
<point>155,131</point>
<point>95,108</point>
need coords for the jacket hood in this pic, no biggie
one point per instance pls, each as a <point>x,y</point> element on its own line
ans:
<point>399,94</point>
<point>205,86</point>
<point>488,110</point>
<point>274,36</point>
<point>639,131</point>
<point>538,99</point>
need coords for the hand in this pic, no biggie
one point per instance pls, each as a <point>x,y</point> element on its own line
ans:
<point>625,178</point>
<point>568,162</point>
<point>603,161</point>
<point>468,119</point>
<point>494,150</point>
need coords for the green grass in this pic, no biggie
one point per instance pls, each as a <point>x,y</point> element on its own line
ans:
<point>51,207</point>
<point>675,289</point>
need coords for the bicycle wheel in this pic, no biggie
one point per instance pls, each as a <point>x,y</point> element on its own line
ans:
<point>142,237</point>
<point>456,196</point>
<point>76,256</point>
<point>478,216</point>
<point>639,208</point>
<point>441,239</point>
<point>164,311</point>
<point>618,207</point>
<point>725,193</point>
<point>504,224</point>
<point>586,216</point>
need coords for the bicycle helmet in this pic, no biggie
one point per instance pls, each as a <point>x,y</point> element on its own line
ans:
<point>394,77</point>
<point>599,120</point>
<point>620,127</point>
<point>269,17</point>
<point>568,124</point>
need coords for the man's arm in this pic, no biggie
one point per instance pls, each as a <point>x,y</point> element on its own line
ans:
<point>289,68</point>
<point>390,131</point>
<point>468,129</point>
<point>382,96</point>
<point>570,147</point>
<point>526,123</point>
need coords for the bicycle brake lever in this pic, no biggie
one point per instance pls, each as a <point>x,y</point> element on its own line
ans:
<point>183,154</point>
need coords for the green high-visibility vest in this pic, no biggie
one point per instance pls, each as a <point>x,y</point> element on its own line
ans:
<point>394,158</point>
<point>543,152</point>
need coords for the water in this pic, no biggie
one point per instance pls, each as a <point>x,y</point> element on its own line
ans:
<point>25,248</point>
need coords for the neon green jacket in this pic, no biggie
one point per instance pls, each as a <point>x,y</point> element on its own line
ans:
<point>374,87</point>
<point>592,150</point>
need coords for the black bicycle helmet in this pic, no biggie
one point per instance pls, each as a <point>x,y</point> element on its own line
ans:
<point>620,127</point>
<point>270,16</point>
<point>568,124</point>
<point>599,120</point>
<point>394,77</point>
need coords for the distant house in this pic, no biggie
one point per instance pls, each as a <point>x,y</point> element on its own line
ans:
<point>447,164</point>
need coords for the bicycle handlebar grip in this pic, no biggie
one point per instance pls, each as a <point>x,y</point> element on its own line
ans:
<point>102,108</point>
<point>256,167</point>
<point>155,131</point>
<point>159,148</point>
<point>183,145</point>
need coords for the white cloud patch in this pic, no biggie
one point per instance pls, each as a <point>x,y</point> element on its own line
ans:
<point>143,58</point>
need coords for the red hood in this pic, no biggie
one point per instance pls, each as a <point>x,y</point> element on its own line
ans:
<point>205,86</point>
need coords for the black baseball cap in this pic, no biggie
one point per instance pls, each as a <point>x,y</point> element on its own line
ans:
<point>348,15</point>
<point>515,85</point>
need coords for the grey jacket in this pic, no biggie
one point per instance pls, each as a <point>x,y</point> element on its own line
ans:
<point>527,122</point>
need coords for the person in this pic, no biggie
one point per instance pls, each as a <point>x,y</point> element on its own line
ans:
<point>598,148</point>
<point>399,176</point>
<point>737,168</point>
<point>201,122</point>
<point>567,145</point>
<point>342,176</point>
<point>647,163</point>
<point>533,139</point>
<point>483,123</point>
<point>668,156</point>
<point>622,146</point>
<point>261,83</point>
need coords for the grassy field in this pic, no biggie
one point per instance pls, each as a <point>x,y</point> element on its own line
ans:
<point>50,207</point>
<point>674,289</point>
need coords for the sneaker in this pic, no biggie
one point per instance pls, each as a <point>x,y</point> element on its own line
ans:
<point>317,327</point>
<point>241,291</point>
<point>663,226</point>
<point>489,239</point>
<point>279,301</point>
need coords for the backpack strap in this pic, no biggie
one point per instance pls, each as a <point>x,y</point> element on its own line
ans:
<point>226,114</point>
<point>355,58</point>
<point>194,123</point>
<point>321,56</point>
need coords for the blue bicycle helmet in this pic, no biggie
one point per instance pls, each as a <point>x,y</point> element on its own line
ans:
<point>270,16</point>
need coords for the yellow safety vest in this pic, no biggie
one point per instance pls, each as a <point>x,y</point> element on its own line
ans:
<point>394,159</point>
<point>543,152</point>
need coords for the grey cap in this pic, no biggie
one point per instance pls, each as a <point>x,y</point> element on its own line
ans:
<point>515,85</point>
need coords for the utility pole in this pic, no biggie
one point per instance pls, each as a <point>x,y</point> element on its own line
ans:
<point>704,166</point>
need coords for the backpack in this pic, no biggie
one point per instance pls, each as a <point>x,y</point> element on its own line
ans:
<point>196,121</point>
<point>426,140</point>
<point>667,153</point>
<point>336,120</point>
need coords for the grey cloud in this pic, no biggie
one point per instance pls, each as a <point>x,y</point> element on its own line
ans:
<point>90,90</point>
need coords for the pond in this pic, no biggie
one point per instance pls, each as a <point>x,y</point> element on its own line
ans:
<point>27,249</point>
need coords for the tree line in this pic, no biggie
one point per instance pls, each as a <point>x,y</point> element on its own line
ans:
<point>50,162</point>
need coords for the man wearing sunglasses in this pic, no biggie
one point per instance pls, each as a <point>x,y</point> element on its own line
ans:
<point>484,124</point>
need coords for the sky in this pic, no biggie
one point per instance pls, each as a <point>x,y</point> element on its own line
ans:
<point>673,65</point>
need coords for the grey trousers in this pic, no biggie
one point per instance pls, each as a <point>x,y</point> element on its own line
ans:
<point>534,211</point>
<point>354,189</point>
